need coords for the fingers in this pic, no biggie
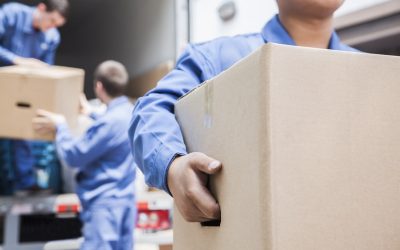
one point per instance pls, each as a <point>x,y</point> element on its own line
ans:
<point>84,106</point>
<point>204,163</point>
<point>36,63</point>
<point>43,113</point>
<point>44,131</point>
<point>82,100</point>
<point>190,212</point>
<point>30,62</point>
<point>42,125</point>
<point>187,179</point>
<point>204,201</point>
<point>82,97</point>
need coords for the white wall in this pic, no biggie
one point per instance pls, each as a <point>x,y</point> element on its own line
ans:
<point>251,16</point>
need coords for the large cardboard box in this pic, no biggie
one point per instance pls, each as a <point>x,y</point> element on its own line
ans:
<point>309,140</point>
<point>24,90</point>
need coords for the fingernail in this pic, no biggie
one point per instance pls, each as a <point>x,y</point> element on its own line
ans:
<point>214,164</point>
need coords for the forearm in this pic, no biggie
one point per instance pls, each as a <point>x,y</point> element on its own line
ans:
<point>7,57</point>
<point>82,151</point>
<point>64,141</point>
<point>154,151</point>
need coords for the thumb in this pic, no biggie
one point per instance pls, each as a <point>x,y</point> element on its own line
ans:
<point>43,113</point>
<point>39,120</point>
<point>82,99</point>
<point>205,164</point>
<point>82,96</point>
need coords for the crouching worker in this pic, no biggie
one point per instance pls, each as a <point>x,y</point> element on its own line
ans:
<point>106,172</point>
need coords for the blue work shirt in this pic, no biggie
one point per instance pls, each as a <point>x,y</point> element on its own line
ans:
<point>106,171</point>
<point>154,132</point>
<point>19,38</point>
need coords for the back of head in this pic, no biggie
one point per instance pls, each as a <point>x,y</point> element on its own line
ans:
<point>61,6</point>
<point>113,76</point>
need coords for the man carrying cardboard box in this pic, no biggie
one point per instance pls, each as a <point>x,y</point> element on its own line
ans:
<point>159,149</point>
<point>29,37</point>
<point>106,171</point>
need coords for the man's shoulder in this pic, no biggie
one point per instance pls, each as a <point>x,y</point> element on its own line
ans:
<point>223,52</point>
<point>238,41</point>
<point>14,8</point>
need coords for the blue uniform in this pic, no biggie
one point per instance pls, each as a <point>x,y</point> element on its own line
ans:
<point>19,38</point>
<point>154,132</point>
<point>106,174</point>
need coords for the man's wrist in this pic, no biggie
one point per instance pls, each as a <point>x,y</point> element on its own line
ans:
<point>61,126</point>
<point>15,59</point>
<point>176,155</point>
<point>60,119</point>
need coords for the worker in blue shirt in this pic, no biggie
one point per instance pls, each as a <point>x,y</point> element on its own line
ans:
<point>106,171</point>
<point>29,37</point>
<point>158,146</point>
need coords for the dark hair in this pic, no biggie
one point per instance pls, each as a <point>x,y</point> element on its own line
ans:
<point>113,76</point>
<point>61,6</point>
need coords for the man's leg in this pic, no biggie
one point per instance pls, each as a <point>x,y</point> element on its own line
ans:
<point>128,221</point>
<point>7,170</point>
<point>24,164</point>
<point>100,230</point>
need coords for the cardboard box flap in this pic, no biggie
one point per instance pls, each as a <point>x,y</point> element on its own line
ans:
<point>51,72</point>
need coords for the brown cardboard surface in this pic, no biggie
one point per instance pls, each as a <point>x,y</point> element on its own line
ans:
<point>140,85</point>
<point>53,88</point>
<point>165,247</point>
<point>309,143</point>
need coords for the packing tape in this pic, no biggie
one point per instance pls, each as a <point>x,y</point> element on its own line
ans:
<point>208,116</point>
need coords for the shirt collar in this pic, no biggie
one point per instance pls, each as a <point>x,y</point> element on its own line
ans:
<point>275,32</point>
<point>117,101</point>
<point>335,42</point>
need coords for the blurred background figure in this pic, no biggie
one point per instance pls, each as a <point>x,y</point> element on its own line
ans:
<point>106,172</point>
<point>29,37</point>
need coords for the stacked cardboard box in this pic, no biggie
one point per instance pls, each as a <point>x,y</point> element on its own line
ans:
<point>24,90</point>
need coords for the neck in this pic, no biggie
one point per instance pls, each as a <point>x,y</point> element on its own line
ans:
<point>311,32</point>
<point>107,100</point>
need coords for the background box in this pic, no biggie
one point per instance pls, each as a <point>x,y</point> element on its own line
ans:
<point>24,90</point>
